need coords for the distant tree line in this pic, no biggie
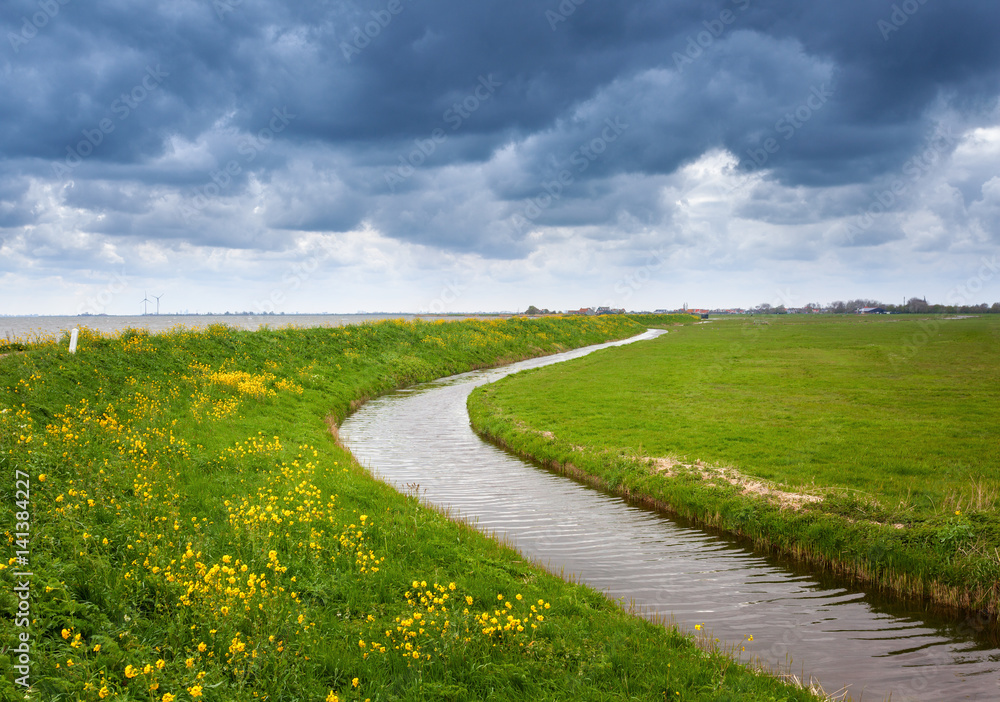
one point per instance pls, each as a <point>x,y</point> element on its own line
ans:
<point>914,305</point>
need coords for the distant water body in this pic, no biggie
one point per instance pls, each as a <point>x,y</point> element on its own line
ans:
<point>25,328</point>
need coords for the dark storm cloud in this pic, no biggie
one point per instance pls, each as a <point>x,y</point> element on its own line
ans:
<point>163,97</point>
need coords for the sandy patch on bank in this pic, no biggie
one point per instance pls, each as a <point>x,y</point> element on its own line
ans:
<point>671,467</point>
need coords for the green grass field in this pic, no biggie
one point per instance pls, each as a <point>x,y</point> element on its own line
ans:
<point>893,421</point>
<point>194,532</point>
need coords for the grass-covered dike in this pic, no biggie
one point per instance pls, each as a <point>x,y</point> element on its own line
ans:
<point>181,525</point>
<point>868,446</point>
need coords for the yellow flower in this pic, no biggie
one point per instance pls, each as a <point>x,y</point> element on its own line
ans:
<point>332,697</point>
<point>103,692</point>
<point>355,682</point>
<point>160,664</point>
<point>41,478</point>
<point>169,697</point>
<point>130,671</point>
<point>66,633</point>
<point>202,647</point>
<point>697,627</point>
<point>147,669</point>
<point>958,512</point>
<point>97,648</point>
<point>189,663</point>
<point>195,690</point>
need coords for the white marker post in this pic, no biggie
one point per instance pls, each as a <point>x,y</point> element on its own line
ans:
<point>73,336</point>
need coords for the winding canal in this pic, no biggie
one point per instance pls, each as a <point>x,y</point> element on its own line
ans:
<point>801,623</point>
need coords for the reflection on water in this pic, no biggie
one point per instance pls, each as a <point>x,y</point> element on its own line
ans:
<point>801,623</point>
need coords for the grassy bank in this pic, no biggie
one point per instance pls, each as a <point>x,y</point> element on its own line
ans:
<point>869,446</point>
<point>193,532</point>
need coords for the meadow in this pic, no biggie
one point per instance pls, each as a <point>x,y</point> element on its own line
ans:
<point>193,531</point>
<point>869,446</point>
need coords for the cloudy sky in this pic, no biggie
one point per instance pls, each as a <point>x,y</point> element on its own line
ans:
<point>445,155</point>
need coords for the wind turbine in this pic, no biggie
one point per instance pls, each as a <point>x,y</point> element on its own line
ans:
<point>158,302</point>
<point>145,301</point>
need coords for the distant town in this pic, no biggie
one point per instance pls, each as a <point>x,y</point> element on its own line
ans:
<point>912,306</point>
